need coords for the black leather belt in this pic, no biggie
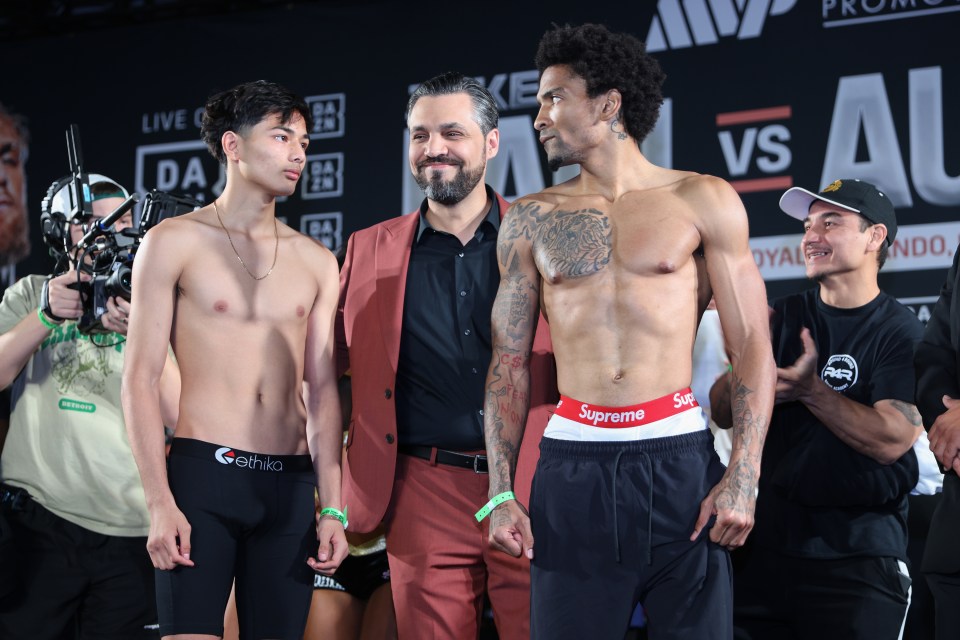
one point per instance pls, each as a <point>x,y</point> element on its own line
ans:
<point>476,463</point>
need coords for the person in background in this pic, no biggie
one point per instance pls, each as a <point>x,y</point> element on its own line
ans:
<point>14,227</point>
<point>14,224</point>
<point>938,399</point>
<point>69,488</point>
<point>829,549</point>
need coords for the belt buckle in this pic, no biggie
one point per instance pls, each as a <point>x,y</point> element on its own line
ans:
<point>476,463</point>
<point>18,498</point>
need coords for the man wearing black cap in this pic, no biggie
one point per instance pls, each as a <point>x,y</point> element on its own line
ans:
<point>828,551</point>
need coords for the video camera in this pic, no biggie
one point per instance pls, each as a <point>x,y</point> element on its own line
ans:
<point>104,253</point>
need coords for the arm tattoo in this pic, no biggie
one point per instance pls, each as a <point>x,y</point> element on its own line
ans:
<point>502,423</point>
<point>513,320</point>
<point>909,412</point>
<point>748,433</point>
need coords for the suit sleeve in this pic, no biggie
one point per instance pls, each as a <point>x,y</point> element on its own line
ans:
<point>935,357</point>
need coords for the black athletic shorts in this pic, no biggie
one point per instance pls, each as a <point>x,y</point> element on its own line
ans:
<point>359,576</point>
<point>612,523</point>
<point>251,518</point>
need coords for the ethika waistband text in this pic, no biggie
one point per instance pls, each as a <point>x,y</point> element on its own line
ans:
<point>238,459</point>
<point>622,417</point>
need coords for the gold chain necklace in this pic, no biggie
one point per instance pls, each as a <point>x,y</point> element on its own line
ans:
<point>276,245</point>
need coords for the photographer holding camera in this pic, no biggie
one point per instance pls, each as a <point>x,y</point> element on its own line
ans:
<point>69,487</point>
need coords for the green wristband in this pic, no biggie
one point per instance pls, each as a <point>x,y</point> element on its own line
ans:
<point>46,321</point>
<point>335,513</point>
<point>498,499</point>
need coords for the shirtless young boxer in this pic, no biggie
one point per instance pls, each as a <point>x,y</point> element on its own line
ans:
<point>629,501</point>
<point>248,305</point>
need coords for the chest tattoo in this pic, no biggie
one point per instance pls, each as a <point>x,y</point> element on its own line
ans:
<point>574,244</point>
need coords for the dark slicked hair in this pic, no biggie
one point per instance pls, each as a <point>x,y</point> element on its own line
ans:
<point>485,111</point>
<point>242,107</point>
<point>605,61</point>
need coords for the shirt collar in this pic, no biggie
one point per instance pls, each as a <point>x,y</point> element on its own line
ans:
<point>492,218</point>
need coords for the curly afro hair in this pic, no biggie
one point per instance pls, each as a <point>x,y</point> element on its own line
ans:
<point>607,60</point>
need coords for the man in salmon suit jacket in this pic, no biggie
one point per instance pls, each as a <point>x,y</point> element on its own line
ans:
<point>414,331</point>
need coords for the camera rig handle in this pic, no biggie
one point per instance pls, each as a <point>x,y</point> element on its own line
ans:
<point>81,205</point>
<point>100,226</point>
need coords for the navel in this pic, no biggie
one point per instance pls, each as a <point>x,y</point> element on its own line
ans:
<point>220,306</point>
<point>618,376</point>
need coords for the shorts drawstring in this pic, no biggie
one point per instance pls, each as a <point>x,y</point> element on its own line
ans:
<point>649,508</point>
<point>632,463</point>
<point>616,528</point>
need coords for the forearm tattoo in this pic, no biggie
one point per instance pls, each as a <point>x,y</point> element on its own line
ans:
<point>749,431</point>
<point>909,412</point>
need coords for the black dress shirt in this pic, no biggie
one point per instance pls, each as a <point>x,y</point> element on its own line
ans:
<point>445,344</point>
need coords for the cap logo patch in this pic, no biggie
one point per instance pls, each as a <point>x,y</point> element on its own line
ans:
<point>833,186</point>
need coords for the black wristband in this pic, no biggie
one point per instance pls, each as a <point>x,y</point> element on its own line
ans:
<point>45,303</point>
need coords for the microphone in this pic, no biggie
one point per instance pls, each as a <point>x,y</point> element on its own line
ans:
<point>100,226</point>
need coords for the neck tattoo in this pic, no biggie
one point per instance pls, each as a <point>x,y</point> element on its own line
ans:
<point>276,245</point>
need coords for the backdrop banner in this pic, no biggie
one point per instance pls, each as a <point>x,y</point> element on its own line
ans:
<point>766,94</point>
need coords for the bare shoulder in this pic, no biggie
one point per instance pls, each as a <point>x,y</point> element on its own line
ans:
<point>525,215</point>
<point>708,194</point>
<point>176,235</point>
<point>311,251</point>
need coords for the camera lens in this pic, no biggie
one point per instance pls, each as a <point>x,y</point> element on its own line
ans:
<point>118,284</point>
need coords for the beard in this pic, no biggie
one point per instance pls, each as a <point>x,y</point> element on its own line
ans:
<point>448,192</point>
<point>14,241</point>
<point>562,156</point>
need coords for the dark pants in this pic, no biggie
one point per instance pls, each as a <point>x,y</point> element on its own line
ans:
<point>69,582</point>
<point>779,597</point>
<point>921,615</point>
<point>946,593</point>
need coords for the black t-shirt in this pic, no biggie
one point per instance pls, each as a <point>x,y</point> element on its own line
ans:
<point>819,498</point>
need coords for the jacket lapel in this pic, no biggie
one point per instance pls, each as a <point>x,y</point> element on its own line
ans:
<point>392,261</point>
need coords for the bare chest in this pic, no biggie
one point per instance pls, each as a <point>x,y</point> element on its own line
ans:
<point>218,288</point>
<point>574,243</point>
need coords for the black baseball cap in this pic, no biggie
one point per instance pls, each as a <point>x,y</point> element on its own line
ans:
<point>850,194</point>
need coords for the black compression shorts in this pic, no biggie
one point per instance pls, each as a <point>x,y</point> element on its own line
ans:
<point>359,576</point>
<point>252,518</point>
